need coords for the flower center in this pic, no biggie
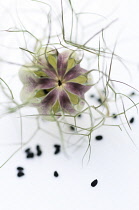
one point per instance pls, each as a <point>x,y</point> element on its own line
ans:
<point>59,83</point>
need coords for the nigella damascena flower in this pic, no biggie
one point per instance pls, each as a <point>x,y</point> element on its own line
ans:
<point>54,82</point>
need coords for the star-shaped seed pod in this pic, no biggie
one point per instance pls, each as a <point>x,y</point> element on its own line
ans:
<point>55,83</point>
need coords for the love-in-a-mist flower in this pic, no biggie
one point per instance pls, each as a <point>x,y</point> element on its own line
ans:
<point>54,82</point>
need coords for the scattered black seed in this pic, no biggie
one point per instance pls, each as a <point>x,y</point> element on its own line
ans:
<point>30,155</point>
<point>38,147</point>
<point>27,150</point>
<point>39,152</point>
<point>79,115</point>
<point>20,173</point>
<point>99,100</point>
<point>132,94</point>
<point>92,96</point>
<point>94,183</point>
<point>57,149</point>
<point>20,168</point>
<point>56,174</point>
<point>72,128</point>
<point>114,116</point>
<point>132,120</point>
<point>98,138</point>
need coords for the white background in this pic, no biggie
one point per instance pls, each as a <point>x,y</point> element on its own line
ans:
<point>114,161</point>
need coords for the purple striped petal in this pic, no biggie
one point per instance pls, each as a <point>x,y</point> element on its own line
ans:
<point>74,72</point>
<point>50,72</point>
<point>30,81</point>
<point>65,103</point>
<point>43,55</point>
<point>62,62</point>
<point>46,67</point>
<point>46,83</point>
<point>76,88</point>
<point>48,102</point>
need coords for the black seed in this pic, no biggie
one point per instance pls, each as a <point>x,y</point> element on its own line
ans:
<point>20,168</point>
<point>99,100</point>
<point>72,128</point>
<point>27,150</point>
<point>132,120</point>
<point>30,155</point>
<point>57,149</point>
<point>39,153</point>
<point>92,96</point>
<point>79,115</point>
<point>94,183</point>
<point>98,138</point>
<point>20,174</point>
<point>132,94</point>
<point>38,147</point>
<point>114,116</point>
<point>56,174</point>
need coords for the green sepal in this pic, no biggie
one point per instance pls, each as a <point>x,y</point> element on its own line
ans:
<point>80,79</point>
<point>73,98</point>
<point>40,74</point>
<point>71,64</point>
<point>56,107</point>
<point>53,61</point>
<point>40,93</point>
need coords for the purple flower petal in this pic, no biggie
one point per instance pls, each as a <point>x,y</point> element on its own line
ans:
<point>46,83</point>
<point>42,60</point>
<point>48,102</point>
<point>74,72</point>
<point>50,72</point>
<point>65,103</point>
<point>76,88</point>
<point>43,54</point>
<point>62,62</point>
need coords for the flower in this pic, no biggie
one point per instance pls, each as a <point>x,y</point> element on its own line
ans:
<point>54,82</point>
